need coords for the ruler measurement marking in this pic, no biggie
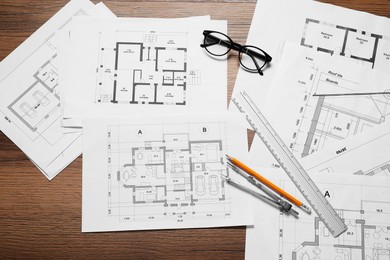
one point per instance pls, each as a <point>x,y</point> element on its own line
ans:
<point>287,161</point>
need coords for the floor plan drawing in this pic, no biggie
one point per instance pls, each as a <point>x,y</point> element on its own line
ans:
<point>175,175</point>
<point>360,45</point>
<point>161,173</point>
<point>144,68</point>
<point>366,214</point>
<point>308,122</point>
<point>336,118</point>
<point>383,170</point>
<point>332,160</point>
<point>36,107</point>
<point>30,104</point>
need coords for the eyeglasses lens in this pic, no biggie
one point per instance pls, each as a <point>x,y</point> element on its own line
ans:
<point>249,55</point>
<point>217,43</point>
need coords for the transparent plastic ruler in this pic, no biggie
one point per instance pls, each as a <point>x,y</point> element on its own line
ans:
<point>290,164</point>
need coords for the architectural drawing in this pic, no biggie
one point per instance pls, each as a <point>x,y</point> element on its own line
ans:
<point>144,68</point>
<point>323,119</point>
<point>30,98</point>
<point>169,173</point>
<point>363,46</point>
<point>332,159</point>
<point>359,193</point>
<point>366,214</point>
<point>381,170</point>
<point>339,118</point>
<point>37,107</point>
<point>161,173</point>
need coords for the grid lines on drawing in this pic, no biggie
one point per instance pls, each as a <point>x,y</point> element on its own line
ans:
<point>167,172</point>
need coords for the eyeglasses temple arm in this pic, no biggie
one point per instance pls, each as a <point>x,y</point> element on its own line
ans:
<point>217,41</point>
<point>238,47</point>
<point>256,64</point>
<point>265,58</point>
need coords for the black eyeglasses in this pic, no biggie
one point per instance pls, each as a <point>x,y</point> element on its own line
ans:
<point>252,58</point>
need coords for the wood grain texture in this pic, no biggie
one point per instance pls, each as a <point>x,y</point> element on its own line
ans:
<point>41,219</point>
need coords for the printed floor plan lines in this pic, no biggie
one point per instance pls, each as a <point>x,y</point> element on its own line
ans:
<point>337,117</point>
<point>381,170</point>
<point>142,66</point>
<point>360,45</point>
<point>161,173</point>
<point>36,106</point>
<point>30,85</point>
<point>151,68</point>
<point>173,172</point>
<point>367,217</point>
<point>309,122</point>
<point>374,146</point>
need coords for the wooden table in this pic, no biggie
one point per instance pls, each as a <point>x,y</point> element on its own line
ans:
<point>42,219</point>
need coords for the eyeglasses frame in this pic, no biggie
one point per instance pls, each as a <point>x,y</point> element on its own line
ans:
<point>238,47</point>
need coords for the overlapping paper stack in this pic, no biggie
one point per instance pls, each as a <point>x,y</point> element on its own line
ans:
<point>326,93</point>
<point>147,102</point>
<point>150,106</point>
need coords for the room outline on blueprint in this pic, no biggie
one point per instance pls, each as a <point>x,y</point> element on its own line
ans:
<point>335,117</point>
<point>376,142</point>
<point>173,174</point>
<point>359,45</point>
<point>323,118</point>
<point>30,100</point>
<point>367,217</point>
<point>36,108</point>
<point>144,67</point>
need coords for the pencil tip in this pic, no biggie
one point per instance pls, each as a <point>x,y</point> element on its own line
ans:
<point>306,209</point>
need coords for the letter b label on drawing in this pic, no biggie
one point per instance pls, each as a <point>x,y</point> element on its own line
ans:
<point>204,130</point>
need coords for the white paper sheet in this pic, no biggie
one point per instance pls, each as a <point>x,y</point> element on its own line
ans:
<point>352,171</point>
<point>309,123</point>
<point>363,202</point>
<point>73,124</point>
<point>128,67</point>
<point>349,156</point>
<point>162,172</point>
<point>329,29</point>
<point>30,99</point>
<point>70,125</point>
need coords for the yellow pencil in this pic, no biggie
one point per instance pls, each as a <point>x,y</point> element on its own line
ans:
<point>269,184</point>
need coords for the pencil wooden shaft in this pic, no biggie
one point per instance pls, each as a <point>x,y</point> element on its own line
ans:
<point>265,181</point>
